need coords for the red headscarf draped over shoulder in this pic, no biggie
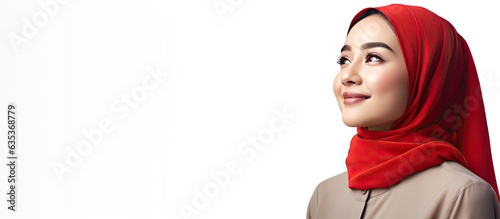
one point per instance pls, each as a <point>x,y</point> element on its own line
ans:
<point>444,119</point>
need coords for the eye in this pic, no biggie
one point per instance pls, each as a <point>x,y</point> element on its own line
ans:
<point>341,60</point>
<point>371,57</point>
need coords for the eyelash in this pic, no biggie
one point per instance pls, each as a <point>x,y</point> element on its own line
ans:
<point>341,59</point>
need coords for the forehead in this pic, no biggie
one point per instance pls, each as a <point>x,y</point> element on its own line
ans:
<point>373,28</point>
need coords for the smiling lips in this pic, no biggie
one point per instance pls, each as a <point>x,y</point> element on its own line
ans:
<point>353,98</point>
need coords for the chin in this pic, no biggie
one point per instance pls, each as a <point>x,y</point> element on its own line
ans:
<point>351,123</point>
<point>372,125</point>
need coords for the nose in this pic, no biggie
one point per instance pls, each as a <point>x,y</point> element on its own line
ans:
<point>350,76</point>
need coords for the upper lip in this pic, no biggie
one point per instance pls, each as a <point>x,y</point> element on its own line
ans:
<point>354,95</point>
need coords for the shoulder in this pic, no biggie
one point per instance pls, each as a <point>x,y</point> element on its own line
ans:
<point>470,195</point>
<point>448,178</point>
<point>330,186</point>
<point>454,176</point>
<point>450,189</point>
<point>459,171</point>
<point>331,190</point>
<point>338,180</point>
<point>327,195</point>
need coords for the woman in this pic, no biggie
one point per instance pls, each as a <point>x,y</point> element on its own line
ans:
<point>409,83</point>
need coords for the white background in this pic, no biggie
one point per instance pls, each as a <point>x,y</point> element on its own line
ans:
<point>227,74</point>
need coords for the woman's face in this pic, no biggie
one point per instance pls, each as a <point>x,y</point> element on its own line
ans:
<point>372,85</point>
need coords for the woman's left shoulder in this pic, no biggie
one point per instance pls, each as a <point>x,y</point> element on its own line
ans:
<point>460,177</point>
<point>449,177</point>
<point>469,194</point>
<point>449,190</point>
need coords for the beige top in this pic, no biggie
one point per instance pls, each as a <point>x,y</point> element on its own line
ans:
<point>445,191</point>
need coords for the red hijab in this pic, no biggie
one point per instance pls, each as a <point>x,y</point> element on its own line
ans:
<point>444,119</point>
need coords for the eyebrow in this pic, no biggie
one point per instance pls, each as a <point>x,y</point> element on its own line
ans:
<point>368,45</point>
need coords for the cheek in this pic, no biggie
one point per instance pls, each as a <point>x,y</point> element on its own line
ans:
<point>391,88</point>
<point>390,81</point>
<point>337,85</point>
